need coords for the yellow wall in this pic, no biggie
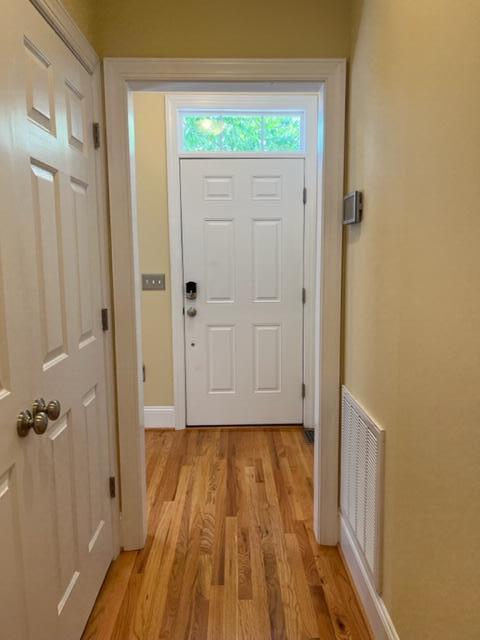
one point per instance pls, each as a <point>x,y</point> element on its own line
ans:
<point>82,11</point>
<point>412,299</point>
<point>215,28</point>
<point>152,212</point>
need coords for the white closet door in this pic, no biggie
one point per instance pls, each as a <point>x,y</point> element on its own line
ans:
<point>55,523</point>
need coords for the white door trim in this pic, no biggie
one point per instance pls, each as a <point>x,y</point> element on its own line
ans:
<point>66,28</point>
<point>107,300</point>
<point>260,101</point>
<point>123,75</point>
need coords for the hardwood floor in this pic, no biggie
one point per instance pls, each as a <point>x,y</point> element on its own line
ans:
<point>230,552</point>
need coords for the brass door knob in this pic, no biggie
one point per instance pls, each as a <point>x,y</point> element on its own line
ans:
<point>53,409</point>
<point>38,406</point>
<point>37,419</point>
<point>40,423</point>
<point>24,423</point>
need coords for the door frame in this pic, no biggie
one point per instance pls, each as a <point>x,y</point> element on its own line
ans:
<point>301,101</point>
<point>55,14</point>
<point>122,77</point>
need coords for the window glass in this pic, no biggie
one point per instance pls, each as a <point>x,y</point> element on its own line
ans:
<point>282,133</point>
<point>242,132</point>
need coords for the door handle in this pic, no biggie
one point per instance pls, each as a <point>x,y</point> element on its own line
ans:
<point>40,417</point>
<point>52,409</point>
<point>40,423</point>
<point>37,419</point>
<point>192,312</point>
<point>26,421</point>
<point>39,406</point>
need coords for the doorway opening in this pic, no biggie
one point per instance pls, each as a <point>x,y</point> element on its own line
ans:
<point>227,236</point>
<point>242,86</point>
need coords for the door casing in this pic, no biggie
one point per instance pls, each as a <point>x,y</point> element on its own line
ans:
<point>122,77</point>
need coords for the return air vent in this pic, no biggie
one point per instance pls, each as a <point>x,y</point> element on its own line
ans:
<point>361,498</point>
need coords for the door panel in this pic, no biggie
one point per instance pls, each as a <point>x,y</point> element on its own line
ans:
<point>268,359</point>
<point>242,223</point>
<point>63,474</point>
<point>267,260</point>
<point>12,591</point>
<point>56,500</point>
<point>39,87</point>
<point>49,267</point>
<point>221,359</point>
<point>219,260</point>
<point>82,262</point>
<point>75,116</point>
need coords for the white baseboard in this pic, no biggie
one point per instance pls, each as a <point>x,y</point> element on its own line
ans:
<point>373,605</point>
<point>159,417</point>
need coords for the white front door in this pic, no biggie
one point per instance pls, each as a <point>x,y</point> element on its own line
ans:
<point>55,520</point>
<point>242,223</point>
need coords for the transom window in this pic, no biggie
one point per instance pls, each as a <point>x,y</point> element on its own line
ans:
<point>242,132</point>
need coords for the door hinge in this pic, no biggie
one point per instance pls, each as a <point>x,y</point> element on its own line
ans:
<point>304,295</point>
<point>96,135</point>
<point>113,486</point>
<point>304,195</point>
<point>304,390</point>
<point>144,373</point>
<point>105,324</point>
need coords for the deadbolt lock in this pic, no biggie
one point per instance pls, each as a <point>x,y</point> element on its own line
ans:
<point>191,290</point>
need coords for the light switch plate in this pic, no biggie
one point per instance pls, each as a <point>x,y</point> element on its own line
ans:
<point>153,281</point>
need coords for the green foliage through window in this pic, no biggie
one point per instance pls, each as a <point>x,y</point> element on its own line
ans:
<point>247,132</point>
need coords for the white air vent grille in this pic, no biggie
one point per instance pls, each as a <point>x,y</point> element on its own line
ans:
<point>362,483</point>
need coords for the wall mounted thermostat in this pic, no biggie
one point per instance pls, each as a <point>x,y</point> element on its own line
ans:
<point>352,207</point>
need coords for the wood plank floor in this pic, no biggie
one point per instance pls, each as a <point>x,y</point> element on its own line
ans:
<point>230,552</point>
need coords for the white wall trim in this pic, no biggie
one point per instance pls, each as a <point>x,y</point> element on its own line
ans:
<point>121,77</point>
<point>63,24</point>
<point>373,605</point>
<point>159,417</point>
<point>327,435</point>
